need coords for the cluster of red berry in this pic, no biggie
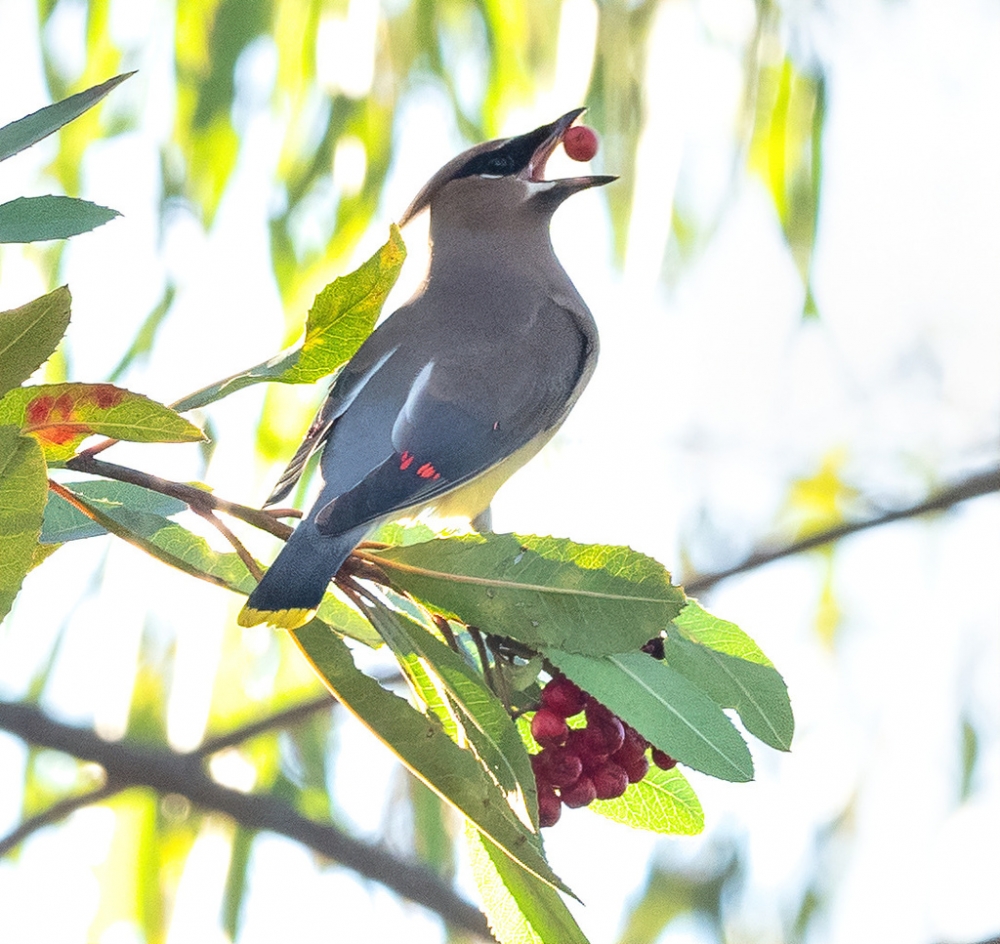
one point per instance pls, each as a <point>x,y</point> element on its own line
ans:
<point>579,765</point>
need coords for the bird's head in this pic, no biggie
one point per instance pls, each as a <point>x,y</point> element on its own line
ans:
<point>498,179</point>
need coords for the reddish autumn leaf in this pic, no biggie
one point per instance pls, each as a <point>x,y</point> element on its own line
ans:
<point>61,416</point>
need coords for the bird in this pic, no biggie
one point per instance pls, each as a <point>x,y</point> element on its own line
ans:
<point>457,388</point>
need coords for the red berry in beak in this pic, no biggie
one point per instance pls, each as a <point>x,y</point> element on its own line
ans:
<point>580,142</point>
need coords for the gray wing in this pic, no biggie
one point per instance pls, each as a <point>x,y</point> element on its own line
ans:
<point>461,414</point>
<point>343,391</point>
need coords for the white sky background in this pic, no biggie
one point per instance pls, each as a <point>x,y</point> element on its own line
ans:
<point>709,397</point>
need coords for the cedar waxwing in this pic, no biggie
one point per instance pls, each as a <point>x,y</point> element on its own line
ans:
<point>459,387</point>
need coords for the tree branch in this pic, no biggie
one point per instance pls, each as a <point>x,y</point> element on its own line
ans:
<point>975,486</point>
<point>64,807</point>
<point>197,498</point>
<point>167,771</point>
<point>55,813</point>
<point>280,719</point>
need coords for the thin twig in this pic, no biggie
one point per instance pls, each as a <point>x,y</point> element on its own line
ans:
<point>283,512</point>
<point>128,764</point>
<point>484,658</point>
<point>196,498</point>
<point>63,808</point>
<point>280,719</point>
<point>974,486</point>
<point>241,552</point>
<point>56,812</point>
<point>444,627</point>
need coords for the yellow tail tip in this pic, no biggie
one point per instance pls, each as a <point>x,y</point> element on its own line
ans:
<point>283,619</point>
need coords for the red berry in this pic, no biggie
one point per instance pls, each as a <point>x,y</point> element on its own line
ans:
<point>634,746</point>
<point>582,793</point>
<point>636,769</point>
<point>538,764</point>
<point>577,743</point>
<point>663,760</point>
<point>563,767</point>
<point>549,807</point>
<point>610,781</point>
<point>563,697</point>
<point>580,143</point>
<point>604,733</point>
<point>548,728</point>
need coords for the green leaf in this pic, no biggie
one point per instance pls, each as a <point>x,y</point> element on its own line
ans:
<point>422,745</point>
<point>64,522</point>
<point>178,547</point>
<point>31,129</point>
<point>61,416</point>
<point>171,543</point>
<point>662,802</point>
<point>519,908</point>
<point>757,692</point>
<point>347,621</point>
<point>23,486</point>
<point>345,312</point>
<point>29,335</point>
<point>236,881</point>
<point>432,828</point>
<point>700,626</point>
<point>729,667</point>
<point>542,592</point>
<point>476,712</point>
<point>34,219</point>
<point>786,151</point>
<point>342,316</point>
<point>664,707</point>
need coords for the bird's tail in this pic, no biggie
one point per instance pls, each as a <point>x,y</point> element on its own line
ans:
<point>294,584</point>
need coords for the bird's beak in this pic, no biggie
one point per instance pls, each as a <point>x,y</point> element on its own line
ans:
<point>524,159</point>
<point>550,138</point>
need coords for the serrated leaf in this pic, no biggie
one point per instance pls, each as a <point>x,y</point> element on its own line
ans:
<point>29,335</point>
<point>664,707</point>
<point>519,908</point>
<point>345,312</point>
<point>704,648</point>
<point>61,416</point>
<point>662,802</point>
<point>474,709</point>
<point>64,522</point>
<point>342,316</point>
<point>698,625</point>
<point>35,219</point>
<point>422,745</point>
<point>23,486</point>
<point>540,591</point>
<point>31,129</point>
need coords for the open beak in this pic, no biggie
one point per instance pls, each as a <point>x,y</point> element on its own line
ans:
<point>534,171</point>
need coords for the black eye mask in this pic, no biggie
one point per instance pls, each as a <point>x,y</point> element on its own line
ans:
<point>510,158</point>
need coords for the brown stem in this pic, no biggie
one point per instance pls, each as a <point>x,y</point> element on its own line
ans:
<point>241,552</point>
<point>983,483</point>
<point>484,657</point>
<point>198,499</point>
<point>56,812</point>
<point>444,627</point>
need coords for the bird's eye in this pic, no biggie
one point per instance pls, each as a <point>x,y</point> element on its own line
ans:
<point>499,164</point>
